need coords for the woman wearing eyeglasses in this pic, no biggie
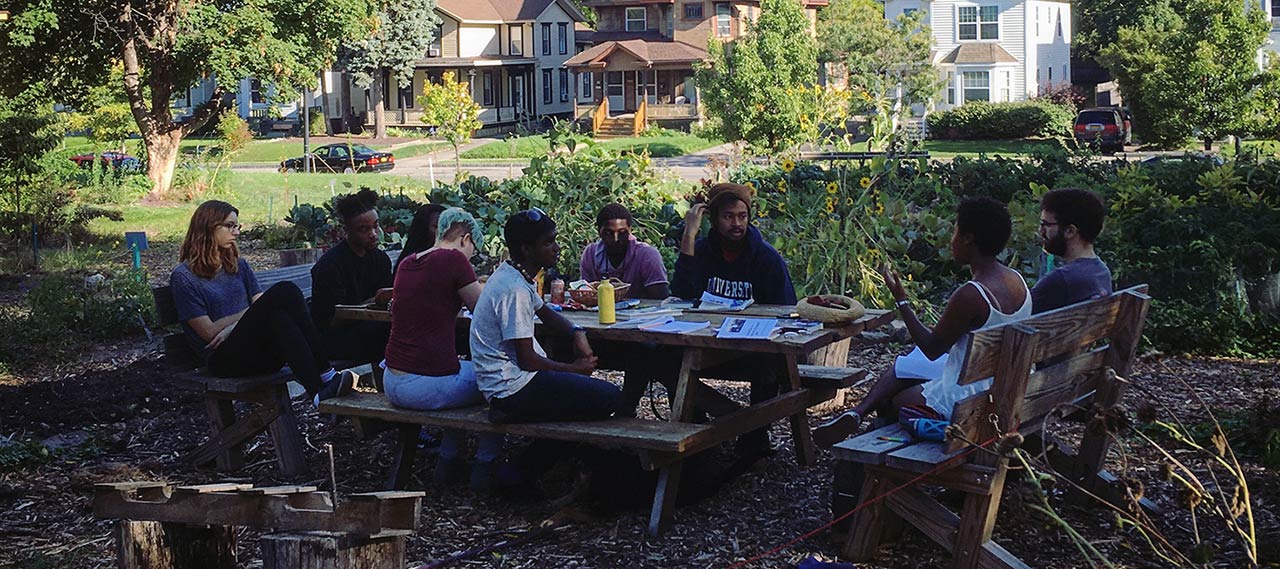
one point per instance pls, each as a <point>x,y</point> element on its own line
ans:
<point>512,370</point>
<point>238,329</point>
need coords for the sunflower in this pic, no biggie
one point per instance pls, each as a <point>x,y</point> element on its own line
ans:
<point>788,165</point>
<point>879,209</point>
<point>751,185</point>
<point>831,206</point>
<point>782,207</point>
<point>848,201</point>
<point>832,188</point>
<point>782,186</point>
<point>865,182</point>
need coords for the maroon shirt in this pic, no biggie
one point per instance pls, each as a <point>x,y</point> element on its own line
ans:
<point>424,312</point>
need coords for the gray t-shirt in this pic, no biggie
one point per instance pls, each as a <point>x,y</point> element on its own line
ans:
<point>220,296</point>
<point>503,313</point>
<point>1083,279</point>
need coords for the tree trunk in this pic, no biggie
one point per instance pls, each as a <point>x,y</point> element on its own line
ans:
<point>162,157</point>
<point>379,108</point>
<point>324,103</point>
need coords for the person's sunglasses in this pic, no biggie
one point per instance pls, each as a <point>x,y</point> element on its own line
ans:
<point>532,214</point>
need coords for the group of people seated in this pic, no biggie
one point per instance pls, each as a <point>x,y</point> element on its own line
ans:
<point>241,330</point>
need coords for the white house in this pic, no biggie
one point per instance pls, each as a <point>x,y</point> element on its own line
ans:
<point>996,50</point>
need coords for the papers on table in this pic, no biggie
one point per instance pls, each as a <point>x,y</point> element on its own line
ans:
<point>649,313</point>
<point>747,328</point>
<point>716,303</point>
<point>664,323</point>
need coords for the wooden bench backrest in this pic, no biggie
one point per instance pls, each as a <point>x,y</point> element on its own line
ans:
<point>1065,338</point>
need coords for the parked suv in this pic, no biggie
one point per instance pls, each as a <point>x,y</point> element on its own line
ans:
<point>1104,126</point>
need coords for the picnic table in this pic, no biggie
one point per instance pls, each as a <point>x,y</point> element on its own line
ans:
<point>802,386</point>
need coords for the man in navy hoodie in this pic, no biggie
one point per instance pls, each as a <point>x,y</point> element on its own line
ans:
<point>734,261</point>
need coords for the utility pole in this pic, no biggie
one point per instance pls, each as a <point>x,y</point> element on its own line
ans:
<point>306,132</point>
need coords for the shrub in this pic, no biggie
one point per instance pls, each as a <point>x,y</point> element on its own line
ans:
<point>982,120</point>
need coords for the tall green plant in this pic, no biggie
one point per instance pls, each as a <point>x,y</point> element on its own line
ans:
<point>749,84</point>
<point>450,108</point>
<point>405,30</point>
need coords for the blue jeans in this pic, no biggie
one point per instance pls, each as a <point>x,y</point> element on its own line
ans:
<point>433,393</point>
<point>557,396</point>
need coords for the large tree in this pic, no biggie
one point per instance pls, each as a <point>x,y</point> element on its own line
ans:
<point>885,58</point>
<point>1191,68</point>
<point>405,31</point>
<point>751,86</point>
<point>166,46</point>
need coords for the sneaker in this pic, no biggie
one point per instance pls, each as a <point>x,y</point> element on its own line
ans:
<point>343,384</point>
<point>837,429</point>
<point>448,471</point>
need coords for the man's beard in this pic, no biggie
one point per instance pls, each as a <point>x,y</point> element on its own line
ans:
<point>1056,245</point>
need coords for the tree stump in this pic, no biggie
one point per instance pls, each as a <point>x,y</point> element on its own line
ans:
<point>324,550</point>
<point>163,545</point>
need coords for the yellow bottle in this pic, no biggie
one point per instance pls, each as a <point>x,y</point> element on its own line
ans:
<point>604,299</point>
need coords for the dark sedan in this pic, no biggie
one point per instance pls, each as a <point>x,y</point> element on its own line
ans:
<point>343,157</point>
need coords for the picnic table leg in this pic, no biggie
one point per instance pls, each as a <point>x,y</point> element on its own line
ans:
<point>664,498</point>
<point>806,453</point>
<point>285,434</point>
<point>406,449</point>
<point>222,413</point>
<point>682,401</point>
<point>868,525</point>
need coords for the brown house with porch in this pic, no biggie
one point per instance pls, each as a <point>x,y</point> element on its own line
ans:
<point>640,65</point>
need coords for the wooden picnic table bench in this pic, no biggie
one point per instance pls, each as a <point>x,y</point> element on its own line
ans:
<point>1076,374</point>
<point>661,445</point>
<point>268,394</point>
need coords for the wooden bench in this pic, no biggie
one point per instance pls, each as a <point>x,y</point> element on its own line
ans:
<point>1077,374</point>
<point>658,443</point>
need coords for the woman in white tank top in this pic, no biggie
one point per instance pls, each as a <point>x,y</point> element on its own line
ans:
<point>927,377</point>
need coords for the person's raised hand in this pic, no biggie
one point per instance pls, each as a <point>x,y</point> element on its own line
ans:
<point>893,281</point>
<point>693,217</point>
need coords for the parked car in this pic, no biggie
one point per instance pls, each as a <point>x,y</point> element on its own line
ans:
<point>343,157</point>
<point>110,159</point>
<point>1103,126</point>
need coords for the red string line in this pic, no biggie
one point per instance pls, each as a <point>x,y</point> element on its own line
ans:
<point>944,466</point>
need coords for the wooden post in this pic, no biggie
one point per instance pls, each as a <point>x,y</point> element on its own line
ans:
<point>162,545</point>
<point>222,414</point>
<point>323,550</point>
<point>285,434</point>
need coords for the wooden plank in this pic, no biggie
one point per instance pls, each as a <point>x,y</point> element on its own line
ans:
<point>801,437</point>
<point>222,415</point>
<point>682,400</point>
<point>207,488</point>
<point>871,447</point>
<point>834,355</point>
<point>978,519</point>
<point>1072,328</point>
<point>933,519</point>
<point>263,490</point>
<point>243,429</point>
<point>368,515</point>
<point>285,434</point>
<point>825,377</point>
<point>868,525</point>
<point>993,556</point>
<point>750,418</point>
<point>623,432</point>
<point>1008,387</point>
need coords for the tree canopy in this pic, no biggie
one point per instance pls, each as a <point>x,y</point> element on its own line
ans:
<point>877,55</point>
<point>1190,68</point>
<point>405,30</point>
<point>449,107</point>
<point>750,86</point>
<point>166,46</point>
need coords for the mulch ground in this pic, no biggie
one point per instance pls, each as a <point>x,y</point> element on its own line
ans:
<point>137,426</point>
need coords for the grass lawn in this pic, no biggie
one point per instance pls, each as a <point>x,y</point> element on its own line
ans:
<point>262,150</point>
<point>258,195</point>
<point>953,148</point>
<point>533,146</point>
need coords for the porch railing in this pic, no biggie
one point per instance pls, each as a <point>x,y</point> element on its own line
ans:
<point>602,113</point>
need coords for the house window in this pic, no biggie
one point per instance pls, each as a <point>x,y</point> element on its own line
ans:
<point>636,19</point>
<point>614,86</point>
<point>546,86</point>
<point>909,11</point>
<point>586,86</point>
<point>517,40</point>
<point>979,23</point>
<point>546,39</point>
<point>1006,84</point>
<point>951,88</point>
<point>693,11</point>
<point>487,88</point>
<point>977,85</point>
<point>1050,74</point>
<point>433,50</point>
<point>1064,74</point>
<point>1275,9</point>
<point>564,85</point>
<point>255,91</point>
<point>724,20</point>
<point>562,34</point>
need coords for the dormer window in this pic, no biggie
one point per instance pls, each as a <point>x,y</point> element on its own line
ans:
<point>433,50</point>
<point>979,23</point>
<point>724,20</point>
<point>636,19</point>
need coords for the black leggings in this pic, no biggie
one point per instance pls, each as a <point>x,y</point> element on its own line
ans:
<point>276,330</point>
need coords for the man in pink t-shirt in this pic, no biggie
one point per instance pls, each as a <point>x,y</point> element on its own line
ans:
<point>618,254</point>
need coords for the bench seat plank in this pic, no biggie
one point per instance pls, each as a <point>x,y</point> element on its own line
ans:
<point>826,377</point>
<point>869,448</point>
<point>236,385</point>
<point>618,432</point>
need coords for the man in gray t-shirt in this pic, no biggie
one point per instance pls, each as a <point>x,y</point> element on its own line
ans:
<point>1070,221</point>
<point>503,314</point>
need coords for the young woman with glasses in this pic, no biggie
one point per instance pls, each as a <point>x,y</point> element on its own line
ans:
<point>238,329</point>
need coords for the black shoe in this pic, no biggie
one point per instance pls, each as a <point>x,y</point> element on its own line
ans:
<point>342,384</point>
<point>838,429</point>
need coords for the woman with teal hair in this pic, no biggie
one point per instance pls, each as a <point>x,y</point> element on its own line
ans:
<point>422,367</point>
